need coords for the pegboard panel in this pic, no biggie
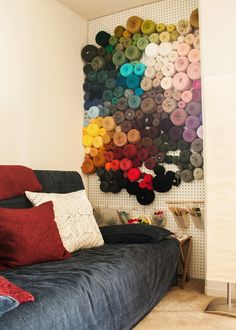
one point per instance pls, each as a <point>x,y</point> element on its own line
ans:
<point>168,12</point>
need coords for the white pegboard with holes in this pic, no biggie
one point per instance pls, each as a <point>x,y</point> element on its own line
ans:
<point>168,12</point>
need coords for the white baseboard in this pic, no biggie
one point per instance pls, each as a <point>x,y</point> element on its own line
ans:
<point>218,289</point>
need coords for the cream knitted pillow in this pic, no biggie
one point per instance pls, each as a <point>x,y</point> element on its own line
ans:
<point>74,217</point>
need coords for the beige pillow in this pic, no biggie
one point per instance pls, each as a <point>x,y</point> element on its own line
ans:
<point>74,217</point>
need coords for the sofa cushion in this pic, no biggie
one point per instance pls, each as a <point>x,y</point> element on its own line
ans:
<point>29,236</point>
<point>15,179</point>
<point>133,234</point>
<point>74,217</point>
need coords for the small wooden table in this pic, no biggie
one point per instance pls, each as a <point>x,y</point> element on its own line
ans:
<point>185,245</point>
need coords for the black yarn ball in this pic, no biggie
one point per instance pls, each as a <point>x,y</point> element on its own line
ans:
<point>88,53</point>
<point>159,170</point>
<point>145,196</point>
<point>115,187</point>
<point>87,68</point>
<point>102,38</point>
<point>108,176</point>
<point>132,188</point>
<point>104,186</point>
<point>100,172</point>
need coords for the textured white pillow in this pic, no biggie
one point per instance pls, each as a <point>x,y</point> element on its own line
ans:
<point>74,217</point>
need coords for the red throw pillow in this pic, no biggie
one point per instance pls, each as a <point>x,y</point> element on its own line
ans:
<point>16,179</point>
<point>8,288</point>
<point>29,236</point>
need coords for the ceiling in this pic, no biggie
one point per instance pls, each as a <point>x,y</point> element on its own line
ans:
<point>91,9</point>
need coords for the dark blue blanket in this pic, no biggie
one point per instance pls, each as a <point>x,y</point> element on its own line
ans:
<point>7,304</point>
<point>107,288</point>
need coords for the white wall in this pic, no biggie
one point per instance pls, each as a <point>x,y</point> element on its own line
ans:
<point>41,77</point>
<point>89,10</point>
<point>218,36</point>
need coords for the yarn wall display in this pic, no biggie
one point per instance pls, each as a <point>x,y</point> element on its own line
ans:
<point>143,107</point>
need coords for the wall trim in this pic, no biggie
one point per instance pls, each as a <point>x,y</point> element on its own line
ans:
<point>218,289</point>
